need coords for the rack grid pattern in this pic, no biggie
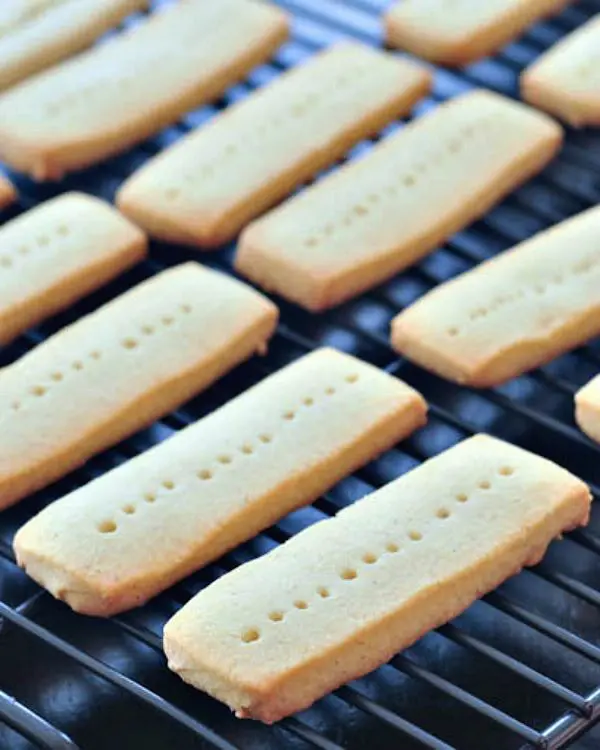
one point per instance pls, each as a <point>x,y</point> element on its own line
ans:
<point>520,669</point>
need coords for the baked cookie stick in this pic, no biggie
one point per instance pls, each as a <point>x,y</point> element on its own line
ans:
<point>8,194</point>
<point>566,80</point>
<point>125,537</point>
<point>378,215</point>
<point>462,31</point>
<point>48,33</point>
<point>116,94</point>
<point>57,253</point>
<point>512,313</point>
<point>343,596</point>
<point>206,187</point>
<point>121,368</point>
<point>587,408</point>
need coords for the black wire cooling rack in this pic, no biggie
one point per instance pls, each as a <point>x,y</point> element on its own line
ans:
<point>520,669</point>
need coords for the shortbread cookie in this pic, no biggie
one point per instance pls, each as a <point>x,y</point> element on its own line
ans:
<point>8,194</point>
<point>118,93</point>
<point>511,313</point>
<point>57,253</point>
<point>46,33</point>
<point>125,537</point>
<point>121,368</point>
<point>587,408</point>
<point>205,188</point>
<point>378,215</point>
<point>566,80</point>
<point>457,32</point>
<point>343,596</point>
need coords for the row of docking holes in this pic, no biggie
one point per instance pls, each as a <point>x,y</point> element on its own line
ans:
<point>260,130</point>
<point>246,449</point>
<point>128,343</point>
<point>404,180</point>
<point>592,262</point>
<point>24,249</point>
<point>107,87</point>
<point>253,634</point>
<point>127,84</point>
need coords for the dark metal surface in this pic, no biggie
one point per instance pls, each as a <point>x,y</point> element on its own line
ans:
<point>519,669</point>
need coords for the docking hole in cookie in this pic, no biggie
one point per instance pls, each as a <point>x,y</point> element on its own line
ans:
<point>250,636</point>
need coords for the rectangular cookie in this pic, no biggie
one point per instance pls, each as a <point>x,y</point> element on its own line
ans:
<point>118,93</point>
<point>458,32</point>
<point>587,408</point>
<point>57,253</point>
<point>566,80</point>
<point>123,538</point>
<point>43,33</point>
<point>206,187</point>
<point>379,214</point>
<point>343,596</point>
<point>8,194</point>
<point>512,313</point>
<point>120,368</point>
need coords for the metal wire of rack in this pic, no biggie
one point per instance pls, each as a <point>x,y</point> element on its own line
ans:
<point>520,669</point>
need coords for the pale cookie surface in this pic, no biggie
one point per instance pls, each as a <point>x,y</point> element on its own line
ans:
<point>123,538</point>
<point>343,596</point>
<point>566,80</point>
<point>206,187</point>
<point>457,32</point>
<point>118,93</point>
<point>379,214</point>
<point>45,33</point>
<point>120,368</point>
<point>14,13</point>
<point>8,194</point>
<point>512,313</point>
<point>57,253</point>
<point>587,408</point>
